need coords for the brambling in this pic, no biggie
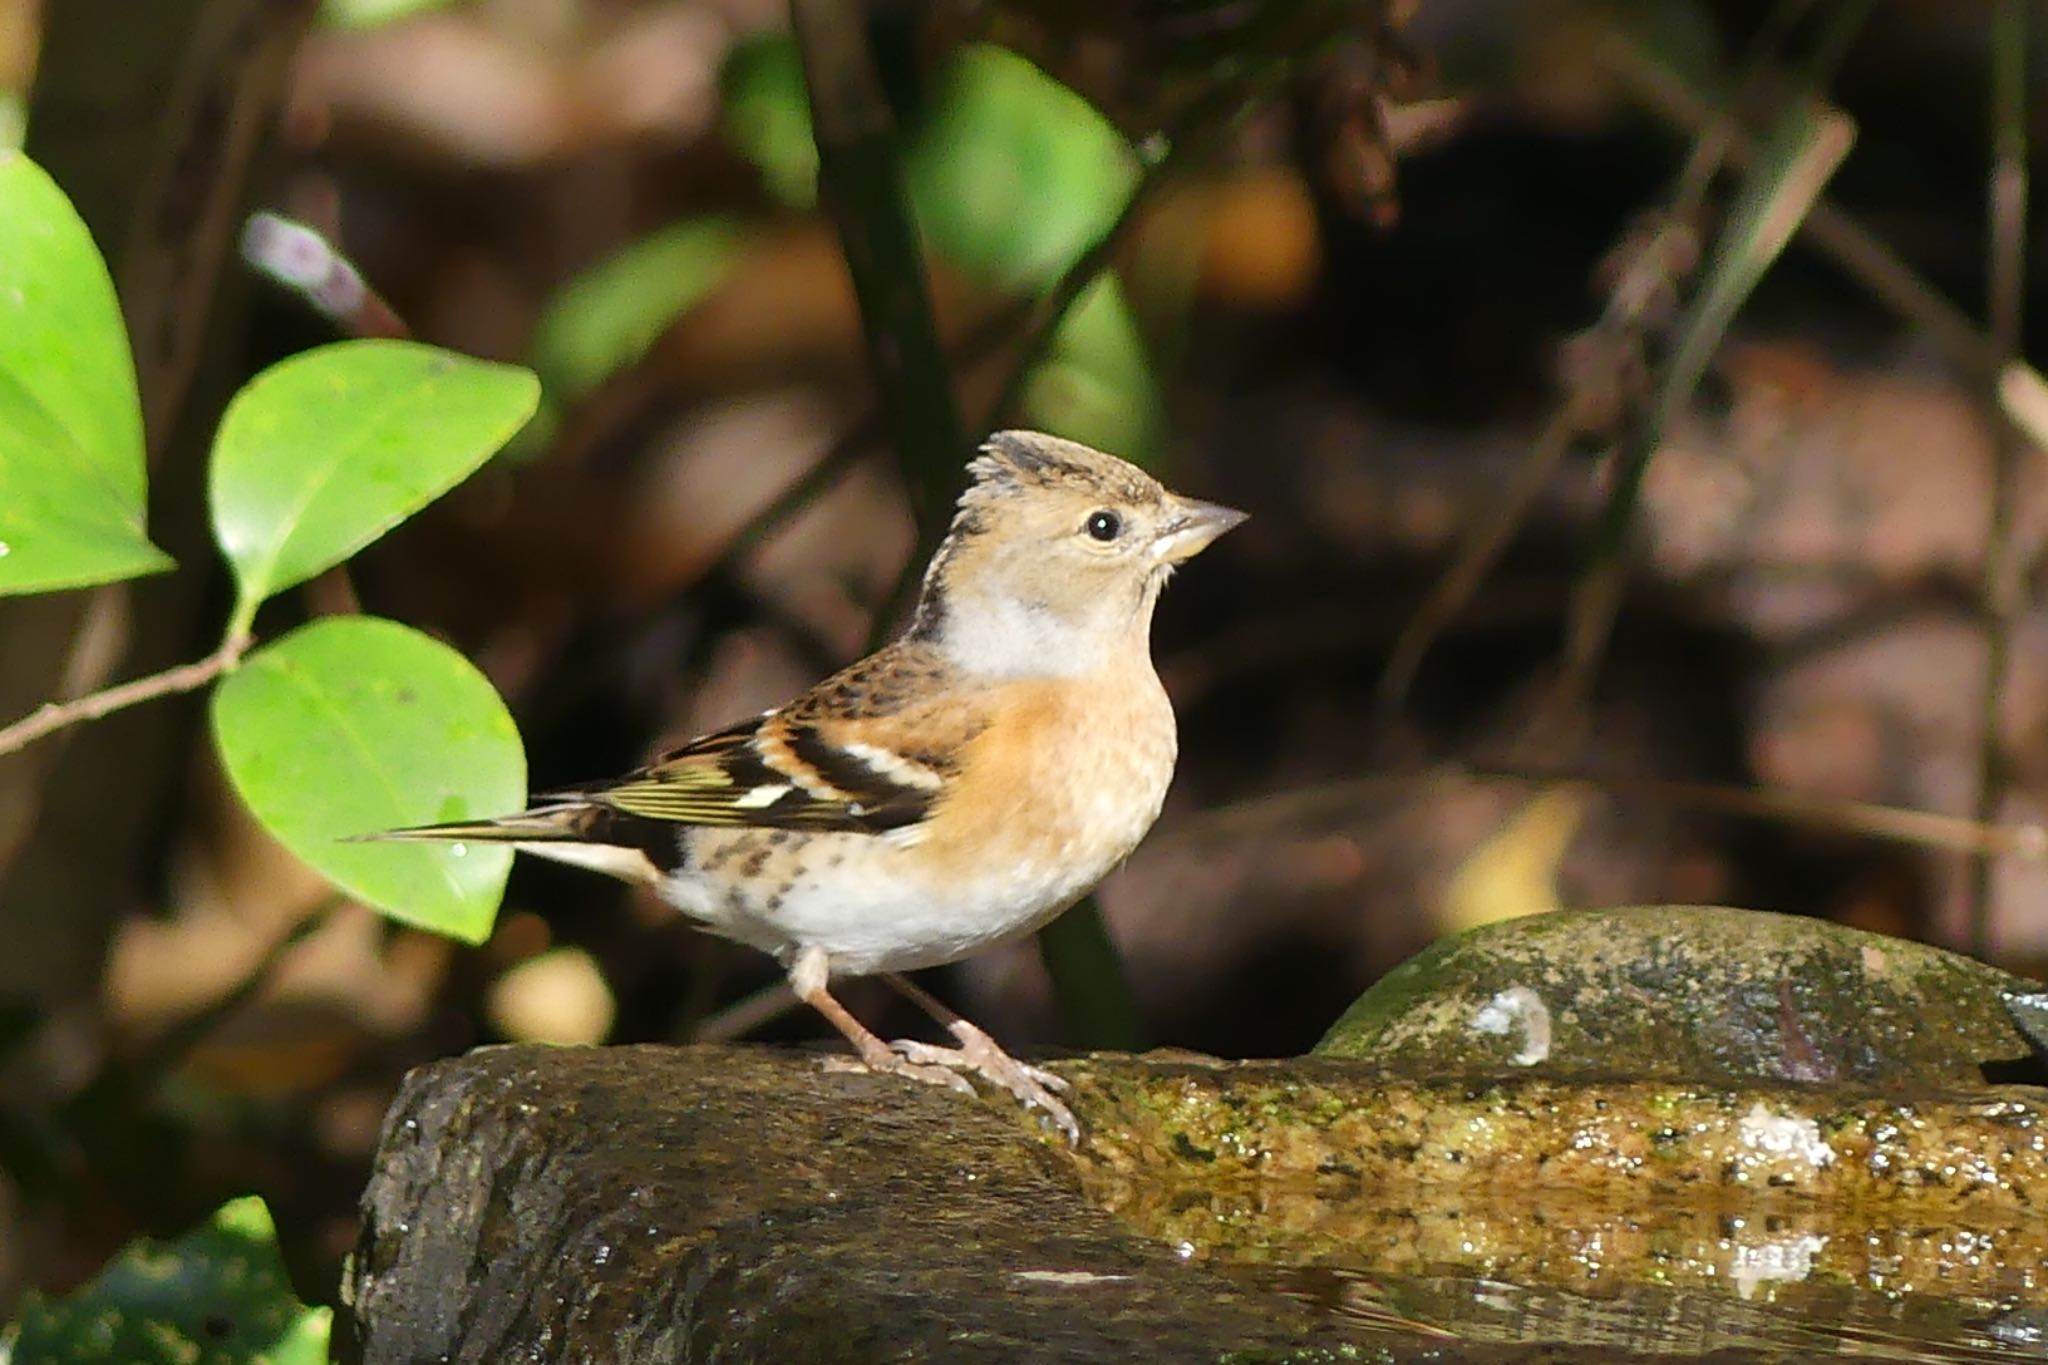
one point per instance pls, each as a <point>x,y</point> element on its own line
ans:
<point>957,789</point>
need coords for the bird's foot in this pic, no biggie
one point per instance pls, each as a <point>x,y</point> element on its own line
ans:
<point>888,1062</point>
<point>980,1054</point>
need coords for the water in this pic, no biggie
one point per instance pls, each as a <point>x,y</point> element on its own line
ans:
<point>1787,1322</point>
<point>1741,1271</point>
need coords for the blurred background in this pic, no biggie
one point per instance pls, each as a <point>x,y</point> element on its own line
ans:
<point>1578,573</point>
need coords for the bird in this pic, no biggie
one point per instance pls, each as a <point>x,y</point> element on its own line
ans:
<point>957,789</point>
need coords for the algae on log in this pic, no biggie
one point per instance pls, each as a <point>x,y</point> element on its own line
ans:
<point>660,1204</point>
<point>1924,1154</point>
<point>1690,993</point>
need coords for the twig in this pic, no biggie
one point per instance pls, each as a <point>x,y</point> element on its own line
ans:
<point>1602,364</point>
<point>1599,369</point>
<point>2003,592</point>
<point>1891,824</point>
<point>55,716</point>
<point>745,1014</point>
<point>1806,145</point>
<point>1859,253</point>
<point>1041,318</point>
<point>298,257</point>
<point>1478,551</point>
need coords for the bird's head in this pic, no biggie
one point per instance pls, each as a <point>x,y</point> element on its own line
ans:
<point>1056,556</point>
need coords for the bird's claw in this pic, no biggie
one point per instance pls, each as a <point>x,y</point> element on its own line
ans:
<point>894,1065</point>
<point>1032,1086</point>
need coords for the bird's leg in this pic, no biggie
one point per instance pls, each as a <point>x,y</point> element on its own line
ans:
<point>981,1054</point>
<point>808,977</point>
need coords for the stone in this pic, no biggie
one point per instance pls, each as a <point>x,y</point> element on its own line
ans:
<point>1690,993</point>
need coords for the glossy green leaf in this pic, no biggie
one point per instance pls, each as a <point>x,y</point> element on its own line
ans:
<point>607,317</point>
<point>322,453</point>
<point>216,1296</point>
<point>353,725</point>
<point>72,475</point>
<point>1014,175</point>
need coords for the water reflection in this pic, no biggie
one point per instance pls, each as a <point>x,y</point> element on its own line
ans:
<point>1736,1271</point>
<point>1813,1320</point>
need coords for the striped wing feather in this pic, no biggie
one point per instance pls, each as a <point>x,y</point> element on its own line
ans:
<point>771,772</point>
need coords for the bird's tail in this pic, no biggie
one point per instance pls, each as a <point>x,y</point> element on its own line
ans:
<point>567,822</point>
<point>581,833</point>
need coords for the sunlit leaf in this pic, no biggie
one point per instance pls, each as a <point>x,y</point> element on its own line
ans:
<point>1014,175</point>
<point>216,1296</point>
<point>372,13</point>
<point>354,725</point>
<point>72,477</point>
<point>1515,871</point>
<point>607,317</point>
<point>322,453</point>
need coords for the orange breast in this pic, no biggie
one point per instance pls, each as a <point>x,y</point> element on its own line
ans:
<point>1066,779</point>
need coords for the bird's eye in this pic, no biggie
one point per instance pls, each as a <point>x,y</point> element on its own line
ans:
<point>1105,526</point>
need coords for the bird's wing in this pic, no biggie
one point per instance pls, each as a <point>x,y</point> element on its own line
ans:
<point>795,770</point>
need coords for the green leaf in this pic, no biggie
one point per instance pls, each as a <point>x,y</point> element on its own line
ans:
<point>346,14</point>
<point>72,476</point>
<point>216,1296</point>
<point>1015,175</point>
<point>322,453</point>
<point>768,116</point>
<point>353,725</point>
<point>607,317</point>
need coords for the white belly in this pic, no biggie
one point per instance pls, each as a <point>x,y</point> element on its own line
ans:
<point>872,904</point>
<point>871,912</point>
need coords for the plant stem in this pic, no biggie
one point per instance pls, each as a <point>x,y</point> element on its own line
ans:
<point>860,182</point>
<point>1852,247</point>
<point>1295,807</point>
<point>55,716</point>
<point>2002,596</point>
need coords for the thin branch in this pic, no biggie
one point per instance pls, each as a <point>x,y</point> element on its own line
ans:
<point>1040,319</point>
<point>1890,824</point>
<point>1479,549</point>
<point>297,256</point>
<point>1860,254</point>
<point>745,1014</point>
<point>860,184</point>
<point>1807,143</point>
<point>56,716</point>
<point>2003,592</point>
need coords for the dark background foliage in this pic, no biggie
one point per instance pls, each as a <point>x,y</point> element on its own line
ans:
<point>1824,578</point>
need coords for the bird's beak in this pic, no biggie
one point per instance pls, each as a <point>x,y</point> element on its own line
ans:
<point>1194,524</point>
